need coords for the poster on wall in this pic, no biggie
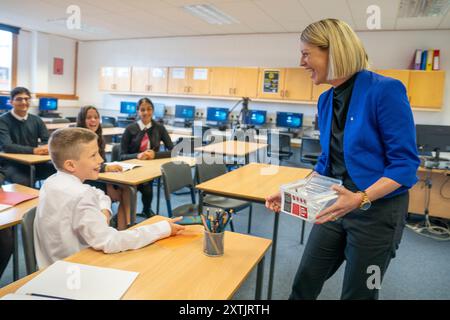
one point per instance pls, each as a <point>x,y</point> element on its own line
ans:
<point>271,81</point>
<point>58,66</point>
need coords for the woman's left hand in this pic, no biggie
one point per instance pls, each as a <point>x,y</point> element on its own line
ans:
<point>347,201</point>
<point>113,168</point>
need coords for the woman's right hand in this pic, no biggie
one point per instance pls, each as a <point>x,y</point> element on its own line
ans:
<point>273,202</point>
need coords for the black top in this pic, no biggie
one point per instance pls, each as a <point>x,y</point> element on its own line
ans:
<point>18,136</point>
<point>132,137</point>
<point>341,102</point>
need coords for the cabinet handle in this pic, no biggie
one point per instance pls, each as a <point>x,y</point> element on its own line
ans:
<point>150,88</point>
<point>229,90</point>
<point>285,93</point>
<point>282,93</point>
<point>189,89</point>
<point>234,90</point>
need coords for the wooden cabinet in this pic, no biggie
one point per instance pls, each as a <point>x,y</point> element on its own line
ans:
<point>153,79</point>
<point>189,80</point>
<point>317,90</point>
<point>234,82</point>
<point>115,79</point>
<point>284,83</point>
<point>426,89</point>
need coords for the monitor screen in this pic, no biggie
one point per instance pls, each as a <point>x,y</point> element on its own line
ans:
<point>128,107</point>
<point>159,111</point>
<point>5,103</point>
<point>256,117</point>
<point>48,104</point>
<point>289,120</point>
<point>217,114</point>
<point>185,112</point>
<point>431,137</point>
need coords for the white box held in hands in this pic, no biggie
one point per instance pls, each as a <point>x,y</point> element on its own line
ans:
<point>308,197</point>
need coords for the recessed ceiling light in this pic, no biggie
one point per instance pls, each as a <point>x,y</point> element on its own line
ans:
<point>423,8</point>
<point>210,14</point>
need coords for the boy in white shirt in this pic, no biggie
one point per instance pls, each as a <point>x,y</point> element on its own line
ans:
<point>71,215</point>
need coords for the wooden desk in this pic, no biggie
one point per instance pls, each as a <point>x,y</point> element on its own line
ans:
<point>438,205</point>
<point>233,148</point>
<point>176,267</point>
<point>54,126</point>
<point>12,217</point>
<point>30,160</point>
<point>116,131</point>
<point>254,182</point>
<point>131,179</point>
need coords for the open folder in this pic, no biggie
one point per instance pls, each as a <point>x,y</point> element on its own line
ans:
<point>10,199</point>
<point>125,165</point>
<point>65,280</point>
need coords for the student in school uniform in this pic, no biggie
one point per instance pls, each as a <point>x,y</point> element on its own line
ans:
<point>6,240</point>
<point>22,132</point>
<point>89,118</point>
<point>72,215</point>
<point>142,140</point>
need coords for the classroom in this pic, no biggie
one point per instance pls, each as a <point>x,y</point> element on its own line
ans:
<point>225,150</point>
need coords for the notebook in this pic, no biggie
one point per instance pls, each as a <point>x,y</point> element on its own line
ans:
<point>125,166</point>
<point>66,280</point>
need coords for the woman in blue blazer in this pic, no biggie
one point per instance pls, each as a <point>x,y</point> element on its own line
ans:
<point>367,135</point>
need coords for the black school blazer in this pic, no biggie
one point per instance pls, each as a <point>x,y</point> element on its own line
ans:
<point>132,137</point>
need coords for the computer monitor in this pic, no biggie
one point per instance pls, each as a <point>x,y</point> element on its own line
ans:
<point>316,122</point>
<point>5,103</point>
<point>433,138</point>
<point>48,104</point>
<point>256,117</point>
<point>289,120</point>
<point>218,115</point>
<point>185,112</point>
<point>128,107</point>
<point>159,111</point>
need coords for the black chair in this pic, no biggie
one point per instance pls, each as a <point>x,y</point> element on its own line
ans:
<point>124,123</point>
<point>115,153</point>
<point>310,150</point>
<point>109,122</point>
<point>72,119</point>
<point>282,143</point>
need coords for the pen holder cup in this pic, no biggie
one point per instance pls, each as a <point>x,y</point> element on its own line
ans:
<point>213,244</point>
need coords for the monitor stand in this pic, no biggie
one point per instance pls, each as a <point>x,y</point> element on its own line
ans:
<point>48,114</point>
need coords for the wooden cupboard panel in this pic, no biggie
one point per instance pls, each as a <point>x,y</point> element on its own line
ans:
<point>402,75</point>
<point>297,84</point>
<point>122,79</point>
<point>199,81</point>
<point>271,83</point>
<point>222,81</point>
<point>178,80</point>
<point>106,82</point>
<point>318,90</point>
<point>158,80</point>
<point>139,79</point>
<point>245,82</point>
<point>426,89</point>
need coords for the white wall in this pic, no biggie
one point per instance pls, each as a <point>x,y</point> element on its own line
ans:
<point>48,47</point>
<point>386,49</point>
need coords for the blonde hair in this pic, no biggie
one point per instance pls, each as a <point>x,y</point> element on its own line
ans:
<point>66,144</point>
<point>346,53</point>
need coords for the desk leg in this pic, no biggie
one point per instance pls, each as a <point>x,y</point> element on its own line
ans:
<point>274,250</point>
<point>133,203</point>
<point>15,235</point>
<point>259,279</point>
<point>32,175</point>
<point>158,193</point>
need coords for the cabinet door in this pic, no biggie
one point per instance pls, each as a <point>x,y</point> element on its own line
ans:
<point>122,79</point>
<point>106,82</point>
<point>245,82</point>
<point>199,81</point>
<point>157,80</point>
<point>402,75</point>
<point>222,81</point>
<point>297,85</point>
<point>318,90</point>
<point>178,80</point>
<point>426,89</point>
<point>139,79</point>
<point>271,83</point>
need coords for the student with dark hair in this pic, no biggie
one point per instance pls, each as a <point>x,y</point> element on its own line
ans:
<point>89,118</point>
<point>142,140</point>
<point>22,132</point>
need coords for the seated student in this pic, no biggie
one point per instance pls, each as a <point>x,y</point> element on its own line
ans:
<point>71,215</point>
<point>142,140</point>
<point>89,118</point>
<point>6,240</point>
<point>22,132</point>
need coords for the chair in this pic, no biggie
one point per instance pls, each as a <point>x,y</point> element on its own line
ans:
<point>28,240</point>
<point>72,119</point>
<point>284,149</point>
<point>115,153</point>
<point>108,122</point>
<point>177,176</point>
<point>124,123</point>
<point>60,120</point>
<point>205,172</point>
<point>310,150</point>
<point>188,146</point>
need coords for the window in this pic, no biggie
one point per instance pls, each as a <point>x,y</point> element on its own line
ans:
<point>6,60</point>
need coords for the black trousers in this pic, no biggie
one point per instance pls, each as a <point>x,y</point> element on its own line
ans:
<point>20,173</point>
<point>363,239</point>
<point>147,194</point>
<point>6,248</point>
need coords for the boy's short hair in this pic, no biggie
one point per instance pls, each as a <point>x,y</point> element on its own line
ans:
<point>65,144</point>
<point>19,90</point>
